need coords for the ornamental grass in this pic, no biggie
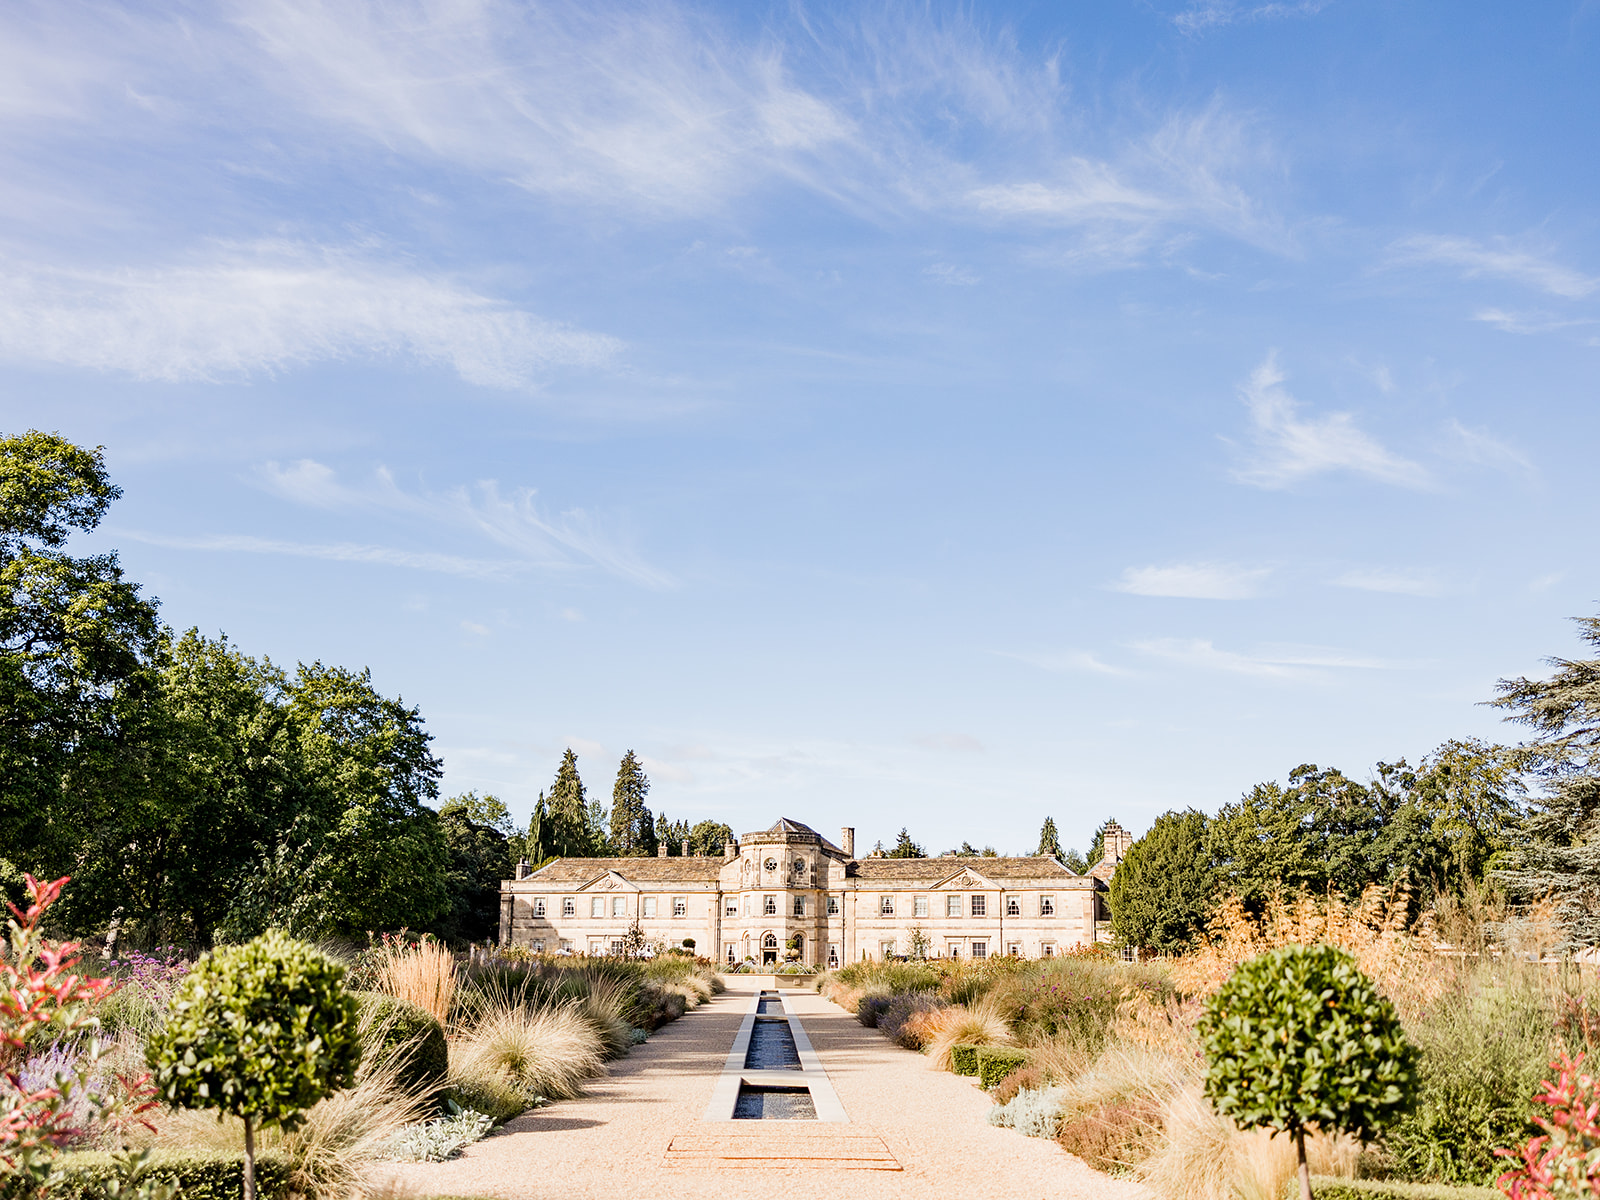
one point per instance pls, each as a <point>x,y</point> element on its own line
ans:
<point>549,1051</point>
<point>423,974</point>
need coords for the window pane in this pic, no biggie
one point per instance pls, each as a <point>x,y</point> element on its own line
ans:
<point>680,906</point>
<point>619,906</point>
<point>833,906</point>
<point>649,906</point>
<point>1047,906</point>
<point>569,907</point>
<point>1013,907</point>
<point>980,906</point>
<point>597,906</point>
<point>920,906</point>
<point>952,906</point>
<point>980,949</point>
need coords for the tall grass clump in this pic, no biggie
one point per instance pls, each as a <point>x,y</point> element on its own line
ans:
<point>983,1023</point>
<point>423,975</point>
<point>547,1052</point>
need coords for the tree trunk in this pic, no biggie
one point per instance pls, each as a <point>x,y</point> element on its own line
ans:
<point>250,1160</point>
<point>1300,1147</point>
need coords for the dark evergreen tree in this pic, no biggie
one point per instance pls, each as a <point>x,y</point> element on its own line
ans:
<point>904,847</point>
<point>1097,844</point>
<point>1161,894</point>
<point>568,811</point>
<point>1074,861</point>
<point>664,834</point>
<point>480,858</point>
<point>535,838</point>
<point>596,824</point>
<point>1049,840</point>
<point>1558,854</point>
<point>630,819</point>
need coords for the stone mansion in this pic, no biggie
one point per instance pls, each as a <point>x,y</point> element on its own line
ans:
<point>789,883</point>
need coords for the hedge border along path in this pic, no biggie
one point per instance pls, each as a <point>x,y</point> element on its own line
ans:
<point>201,1175</point>
<point>611,1145</point>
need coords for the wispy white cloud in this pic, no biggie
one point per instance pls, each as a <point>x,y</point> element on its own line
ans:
<point>574,537</point>
<point>1194,581</point>
<point>1403,582</point>
<point>951,274</point>
<point>1065,661</point>
<point>1502,260</point>
<point>1483,448</point>
<point>649,105</point>
<point>1529,322</point>
<point>1289,447</point>
<point>961,742</point>
<point>1280,662</point>
<point>386,556</point>
<point>1209,14</point>
<point>1184,175</point>
<point>272,306</point>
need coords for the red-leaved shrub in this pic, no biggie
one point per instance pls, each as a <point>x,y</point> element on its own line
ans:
<point>1565,1159</point>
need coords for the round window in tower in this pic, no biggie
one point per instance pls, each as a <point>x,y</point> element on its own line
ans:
<point>771,864</point>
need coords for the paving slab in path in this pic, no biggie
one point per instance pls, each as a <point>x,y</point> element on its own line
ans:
<point>640,1131</point>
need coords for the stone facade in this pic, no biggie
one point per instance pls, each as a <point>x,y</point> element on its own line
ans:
<point>789,882</point>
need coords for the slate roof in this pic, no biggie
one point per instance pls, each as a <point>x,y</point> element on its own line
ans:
<point>653,870</point>
<point>910,870</point>
<point>788,825</point>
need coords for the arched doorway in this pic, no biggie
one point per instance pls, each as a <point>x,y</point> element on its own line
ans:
<point>769,949</point>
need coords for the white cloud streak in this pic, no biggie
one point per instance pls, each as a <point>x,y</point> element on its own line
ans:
<point>1503,260</point>
<point>571,539</point>
<point>1289,447</point>
<point>1065,661</point>
<point>270,307</point>
<point>1194,581</point>
<point>1528,323</point>
<point>385,556</point>
<point>1287,662</point>
<point>1211,14</point>
<point>1394,582</point>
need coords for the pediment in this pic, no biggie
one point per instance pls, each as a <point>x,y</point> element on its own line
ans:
<point>965,878</point>
<point>610,881</point>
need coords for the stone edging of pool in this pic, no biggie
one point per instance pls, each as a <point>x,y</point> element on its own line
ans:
<point>736,1076</point>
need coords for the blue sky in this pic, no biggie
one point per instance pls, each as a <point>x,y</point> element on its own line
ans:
<point>876,414</point>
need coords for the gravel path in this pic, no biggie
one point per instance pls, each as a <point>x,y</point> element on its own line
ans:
<point>613,1144</point>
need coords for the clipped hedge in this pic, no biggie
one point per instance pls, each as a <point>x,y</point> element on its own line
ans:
<point>964,1059</point>
<point>996,1062</point>
<point>425,1066</point>
<point>199,1174</point>
<point>1326,1187</point>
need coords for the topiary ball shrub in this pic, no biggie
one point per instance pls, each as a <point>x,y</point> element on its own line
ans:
<point>1301,1037</point>
<point>412,1036</point>
<point>996,1062</point>
<point>964,1059</point>
<point>263,1031</point>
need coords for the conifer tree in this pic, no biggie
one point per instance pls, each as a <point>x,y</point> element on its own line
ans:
<point>568,813</point>
<point>1049,841</point>
<point>536,838</point>
<point>630,819</point>
<point>664,833</point>
<point>904,847</point>
<point>1560,852</point>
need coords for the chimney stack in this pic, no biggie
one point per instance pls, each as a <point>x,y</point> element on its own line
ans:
<point>847,841</point>
<point>686,847</point>
<point>730,851</point>
<point>661,850</point>
<point>524,869</point>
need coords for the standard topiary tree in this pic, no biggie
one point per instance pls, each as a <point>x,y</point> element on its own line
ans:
<point>1300,1037</point>
<point>263,1030</point>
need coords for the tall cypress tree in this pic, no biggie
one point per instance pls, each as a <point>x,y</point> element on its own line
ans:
<point>1559,854</point>
<point>1049,840</point>
<point>630,819</point>
<point>664,833</point>
<point>568,811</point>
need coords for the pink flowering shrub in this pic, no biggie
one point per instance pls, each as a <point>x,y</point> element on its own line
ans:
<point>1565,1160</point>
